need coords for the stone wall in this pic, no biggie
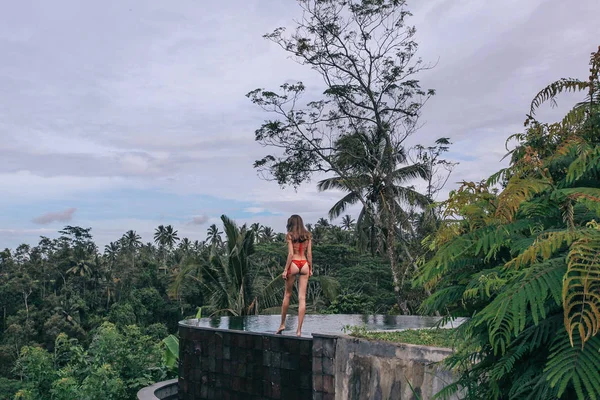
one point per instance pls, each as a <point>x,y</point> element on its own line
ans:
<point>228,364</point>
<point>361,369</point>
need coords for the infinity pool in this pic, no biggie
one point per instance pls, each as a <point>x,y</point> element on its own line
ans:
<point>320,323</point>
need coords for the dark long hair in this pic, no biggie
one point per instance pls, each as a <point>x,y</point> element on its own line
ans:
<point>296,229</point>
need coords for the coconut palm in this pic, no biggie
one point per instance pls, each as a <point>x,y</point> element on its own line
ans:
<point>111,252</point>
<point>165,237</point>
<point>347,223</point>
<point>267,235</point>
<point>367,185</point>
<point>213,236</point>
<point>185,245</point>
<point>132,242</point>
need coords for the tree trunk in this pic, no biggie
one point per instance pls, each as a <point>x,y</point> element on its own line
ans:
<point>25,297</point>
<point>391,252</point>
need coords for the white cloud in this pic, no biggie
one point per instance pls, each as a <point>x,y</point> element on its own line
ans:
<point>157,101</point>
<point>254,210</point>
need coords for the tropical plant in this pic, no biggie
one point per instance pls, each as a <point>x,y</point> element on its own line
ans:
<point>347,223</point>
<point>368,184</point>
<point>365,53</point>
<point>213,236</point>
<point>524,262</point>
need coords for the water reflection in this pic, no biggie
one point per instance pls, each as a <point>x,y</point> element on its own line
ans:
<point>318,323</point>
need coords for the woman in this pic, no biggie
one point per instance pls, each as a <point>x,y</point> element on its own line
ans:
<point>299,262</point>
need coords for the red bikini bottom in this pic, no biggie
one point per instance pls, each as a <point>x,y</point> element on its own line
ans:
<point>299,264</point>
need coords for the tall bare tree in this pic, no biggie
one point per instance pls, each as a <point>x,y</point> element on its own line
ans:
<point>365,53</point>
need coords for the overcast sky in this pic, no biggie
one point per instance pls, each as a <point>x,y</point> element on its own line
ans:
<point>127,114</point>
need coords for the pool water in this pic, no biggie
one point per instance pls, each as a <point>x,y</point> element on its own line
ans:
<point>320,323</point>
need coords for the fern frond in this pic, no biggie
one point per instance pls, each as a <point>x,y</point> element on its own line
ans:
<point>441,299</point>
<point>554,89</point>
<point>588,196</point>
<point>526,346</point>
<point>517,192</point>
<point>574,366</point>
<point>485,284</point>
<point>545,246</point>
<point>497,177</point>
<point>586,162</point>
<point>581,287</point>
<point>507,314</point>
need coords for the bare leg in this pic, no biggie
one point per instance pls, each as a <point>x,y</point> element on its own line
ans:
<point>302,283</point>
<point>289,287</point>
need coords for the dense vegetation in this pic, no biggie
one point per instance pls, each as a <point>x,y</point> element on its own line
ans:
<point>75,317</point>
<point>524,261</point>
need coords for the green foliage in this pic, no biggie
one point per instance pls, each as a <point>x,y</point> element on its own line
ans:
<point>8,388</point>
<point>115,366</point>
<point>524,264</point>
<point>171,351</point>
<point>425,337</point>
<point>351,303</point>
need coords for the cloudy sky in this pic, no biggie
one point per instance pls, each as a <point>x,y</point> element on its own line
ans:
<point>127,114</point>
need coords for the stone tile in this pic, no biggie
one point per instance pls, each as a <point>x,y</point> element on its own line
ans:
<point>275,375</point>
<point>317,347</point>
<point>328,384</point>
<point>317,365</point>
<point>294,346</point>
<point>329,348</point>
<point>305,347</point>
<point>327,366</point>
<point>266,358</point>
<point>258,343</point>
<point>276,344</point>
<point>305,363</point>
<point>305,381</point>
<point>276,360</point>
<point>317,381</point>
<point>267,388</point>
<point>276,391</point>
<point>226,367</point>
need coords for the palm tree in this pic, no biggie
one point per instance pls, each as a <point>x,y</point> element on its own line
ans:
<point>185,245</point>
<point>267,235</point>
<point>132,241</point>
<point>347,223</point>
<point>213,236</point>
<point>372,176</point>
<point>159,235</point>
<point>170,237</point>
<point>165,237</point>
<point>369,184</point>
<point>228,278</point>
<point>111,251</point>
<point>322,222</point>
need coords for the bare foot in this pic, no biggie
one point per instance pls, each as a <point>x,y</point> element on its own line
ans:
<point>281,329</point>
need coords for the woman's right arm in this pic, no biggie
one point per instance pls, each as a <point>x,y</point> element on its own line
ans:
<point>289,257</point>
<point>309,256</point>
